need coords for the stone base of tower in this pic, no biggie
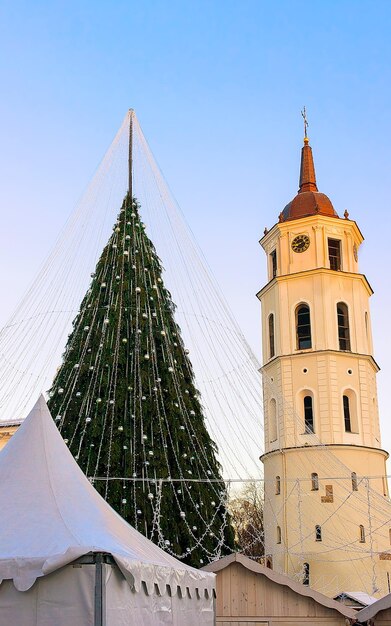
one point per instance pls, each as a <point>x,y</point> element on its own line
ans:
<point>327,522</point>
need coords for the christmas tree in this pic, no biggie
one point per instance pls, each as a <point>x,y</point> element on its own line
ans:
<point>126,403</point>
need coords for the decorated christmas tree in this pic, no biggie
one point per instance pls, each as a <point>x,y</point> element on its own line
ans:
<point>126,403</point>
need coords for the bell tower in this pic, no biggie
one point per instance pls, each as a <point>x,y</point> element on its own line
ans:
<point>327,509</point>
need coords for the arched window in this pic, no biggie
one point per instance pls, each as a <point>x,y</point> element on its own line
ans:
<point>278,485</point>
<point>272,420</point>
<point>278,534</point>
<point>314,482</point>
<point>354,482</point>
<point>346,414</point>
<point>269,562</point>
<point>318,533</point>
<point>306,573</point>
<point>308,414</point>
<point>343,326</point>
<point>303,327</point>
<point>271,336</point>
<point>362,534</point>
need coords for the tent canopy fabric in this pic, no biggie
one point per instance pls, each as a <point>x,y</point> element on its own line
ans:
<point>51,515</point>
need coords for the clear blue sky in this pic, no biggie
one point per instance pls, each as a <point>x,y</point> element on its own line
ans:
<point>218,87</point>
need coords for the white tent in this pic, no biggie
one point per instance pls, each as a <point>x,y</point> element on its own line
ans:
<point>51,517</point>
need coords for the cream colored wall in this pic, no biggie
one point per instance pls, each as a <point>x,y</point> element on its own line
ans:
<point>243,597</point>
<point>339,562</point>
<point>6,433</point>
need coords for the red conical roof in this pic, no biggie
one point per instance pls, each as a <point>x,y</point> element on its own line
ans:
<point>309,201</point>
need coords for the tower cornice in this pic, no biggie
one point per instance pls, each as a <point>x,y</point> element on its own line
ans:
<point>312,272</point>
<point>300,353</point>
<point>293,226</point>
<point>329,446</point>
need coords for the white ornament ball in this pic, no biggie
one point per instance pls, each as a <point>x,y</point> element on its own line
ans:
<point>138,512</point>
<point>145,316</point>
<point>126,253</point>
<point>99,400</point>
<point>145,437</point>
<point>170,369</point>
<point>123,500</point>
<point>167,542</point>
<point>124,340</point>
<point>127,237</point>
<point>88,419</point>
<point>192,412</point>
<point>66,440</point>
<point>150,452</point>
<point>163,332</point>
<point>120,428</point>
<point>61,390</point>
<point>182,514</point>
<point>106,321</point>
<point>138,289</point>
<point>150,496</point>
<point>103,285</point>
<point>146,357</point>
<point>78,394</point>
<point>194,527</point>
<point>86,328</point>
<point>117,230</point>
<point>58,418</point>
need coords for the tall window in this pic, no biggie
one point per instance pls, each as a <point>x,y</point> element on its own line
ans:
<point>362,534</point>
<point>334,254</point>
<point>278,485</point>
<point>306,574</point>
<point>308,414</point>
<point>273,263</point>
<point>318,533</point>
<point>343,326</point>
<point>346,414</point>
<point>314,482</point>
<point>303,327</point>
<point>354,482</point>
<point>271,336</point>
<point>278,534</point>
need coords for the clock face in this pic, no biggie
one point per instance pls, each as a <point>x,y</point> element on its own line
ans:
<point>300,243</point>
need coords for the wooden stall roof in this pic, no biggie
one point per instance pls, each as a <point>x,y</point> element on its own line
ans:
<point>373,609</point>
<point>281,579</point>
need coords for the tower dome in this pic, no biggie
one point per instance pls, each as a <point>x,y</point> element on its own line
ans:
<point>308,201</point>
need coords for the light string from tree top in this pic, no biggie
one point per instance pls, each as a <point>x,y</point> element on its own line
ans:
<point>237,391</point>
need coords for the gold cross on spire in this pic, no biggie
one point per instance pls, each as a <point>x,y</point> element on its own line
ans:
<point>304,116</point>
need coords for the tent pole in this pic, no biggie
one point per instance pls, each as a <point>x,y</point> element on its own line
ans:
<point>99,608</point>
